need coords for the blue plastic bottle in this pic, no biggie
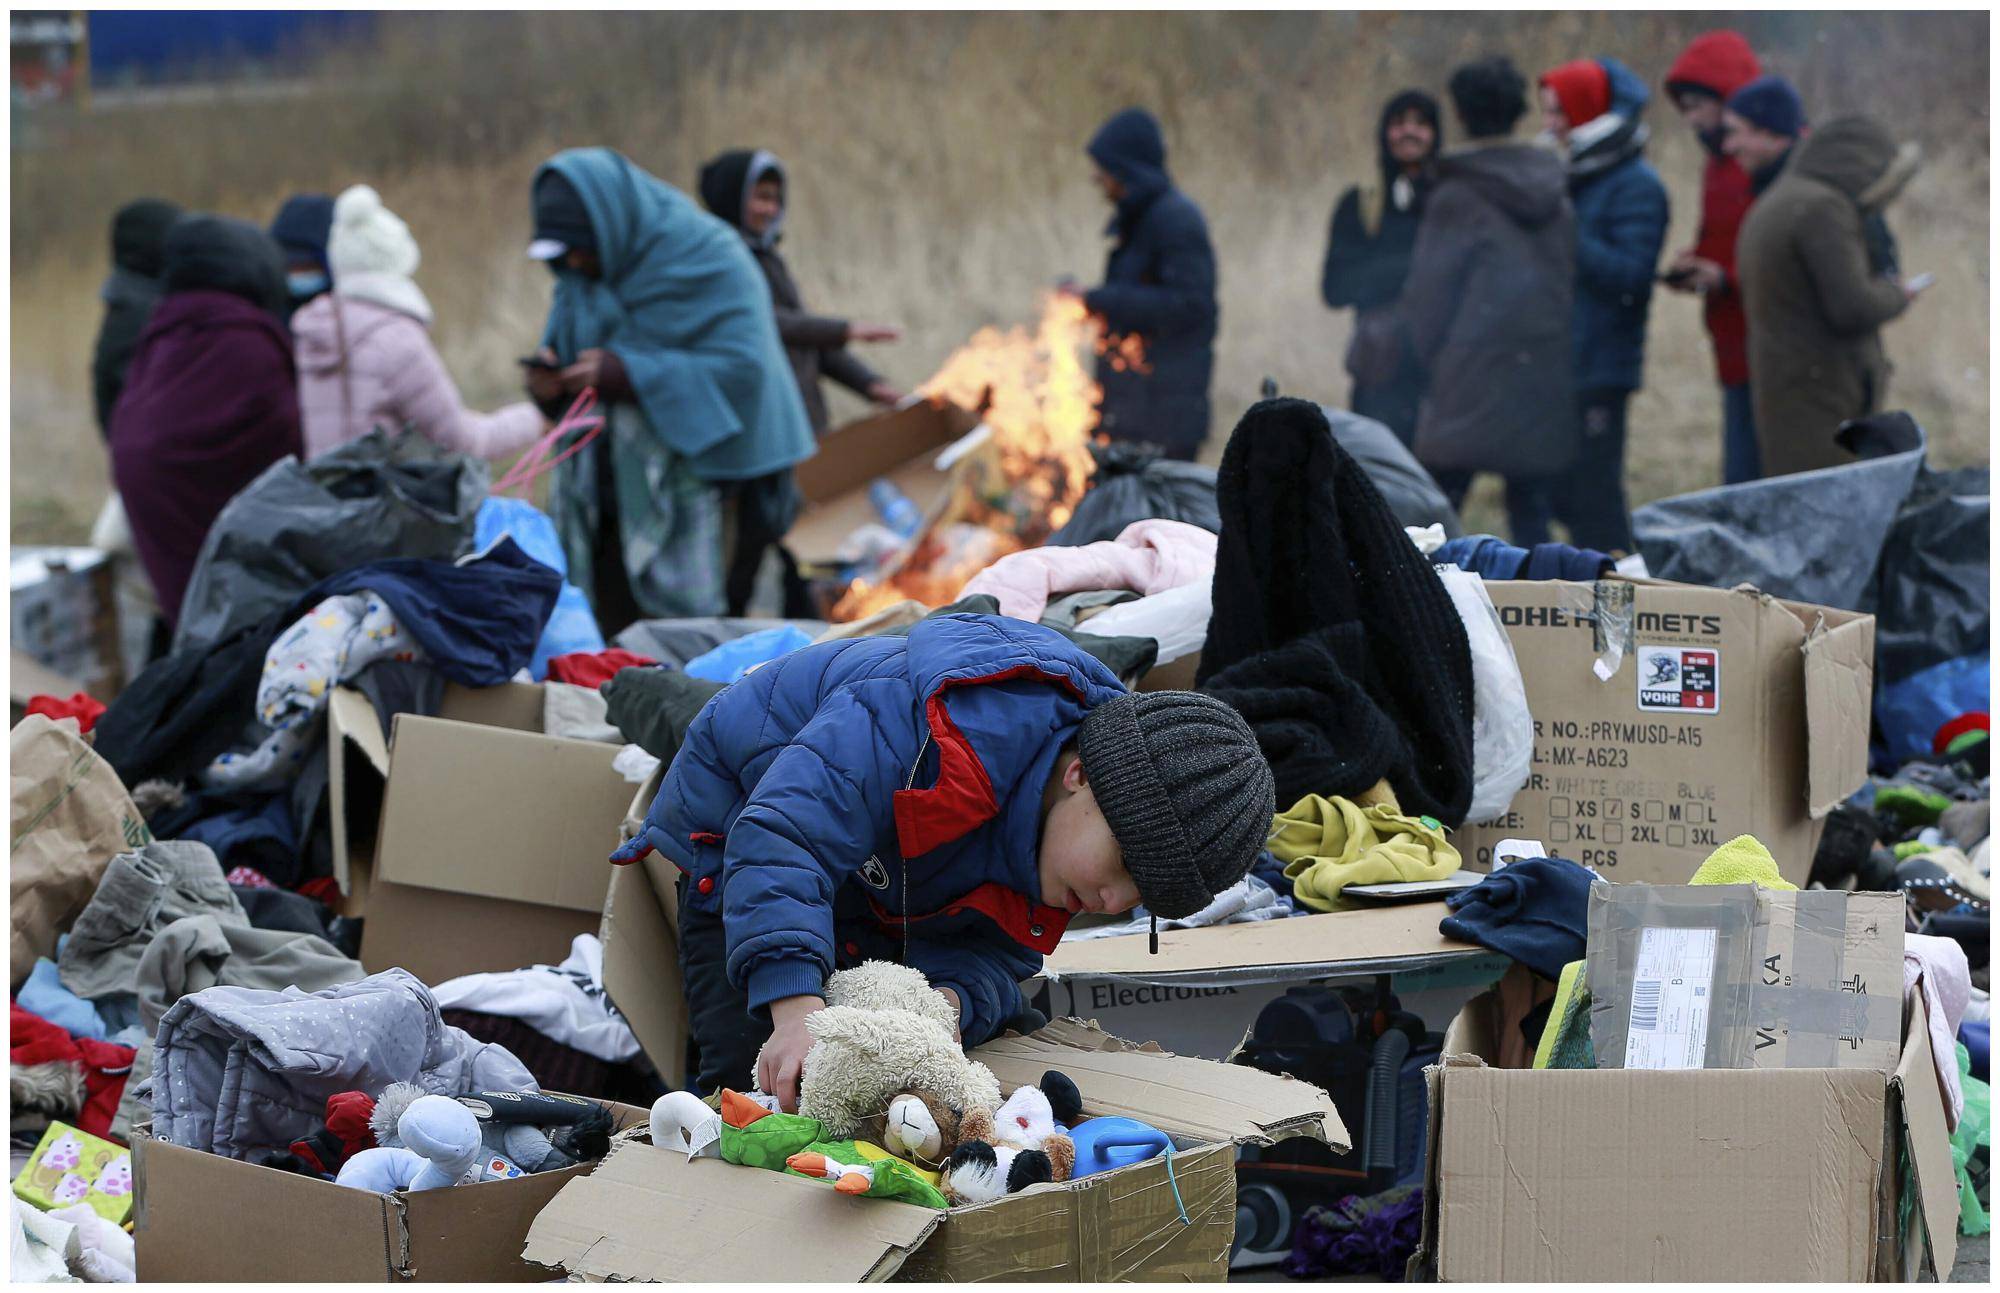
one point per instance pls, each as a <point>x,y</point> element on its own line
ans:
<point>895,508</point>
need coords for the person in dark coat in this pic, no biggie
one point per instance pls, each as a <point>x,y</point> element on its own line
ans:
<point>1818,288</point>
<point>1715,65</point>
<point>1487,303</point>
<point>1368,257</point>
<point>746,188</point>
<point>211,399</point>
<point>1159,286</point>
<point>1592,107</point>
<point>129,295</point>
<point>301,228</point>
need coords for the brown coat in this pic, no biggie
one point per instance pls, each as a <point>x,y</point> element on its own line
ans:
<point>1815,305</point>
<point>816,344</point>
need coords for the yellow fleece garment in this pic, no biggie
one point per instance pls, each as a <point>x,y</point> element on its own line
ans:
<point>1743,860</point>
<point>1327,844</point>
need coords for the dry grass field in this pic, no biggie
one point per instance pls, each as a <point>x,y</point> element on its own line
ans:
<point>939,182</point>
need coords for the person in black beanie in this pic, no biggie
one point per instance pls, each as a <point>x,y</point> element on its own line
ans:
<point>1368,257</point>
<point>1331,633</point>
<point>138,232</point>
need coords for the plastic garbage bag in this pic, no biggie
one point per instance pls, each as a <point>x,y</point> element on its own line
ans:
<point>1406,487</point>
<point>1133,483</point>
<point>1908,713</point>
<point>1503,730</point>
<point>730,661</point>
<point>572,626</point>
<point>1177,619</point>
<point>298,523</point>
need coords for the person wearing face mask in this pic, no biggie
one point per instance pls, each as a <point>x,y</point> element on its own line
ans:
<point>1368,257</point>
<point>1591,109</point>
<point>660,309</point>
<point>301,230</point>
<point>1715,65</point>
<point>746,188</point>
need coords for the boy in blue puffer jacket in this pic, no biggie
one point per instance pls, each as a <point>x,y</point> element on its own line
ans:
<point>947,800</point>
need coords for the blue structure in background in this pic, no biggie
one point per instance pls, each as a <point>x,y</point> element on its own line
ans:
<point>140,45</point>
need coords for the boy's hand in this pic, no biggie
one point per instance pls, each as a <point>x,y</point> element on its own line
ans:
<point>784,1055</point>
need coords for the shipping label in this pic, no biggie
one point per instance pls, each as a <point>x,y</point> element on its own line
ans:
<point>1671,987</point>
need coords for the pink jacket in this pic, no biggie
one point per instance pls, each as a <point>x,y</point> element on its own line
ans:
<point>1147,557</point>
<point>393,379</point>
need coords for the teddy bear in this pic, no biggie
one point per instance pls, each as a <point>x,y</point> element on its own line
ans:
<point>885,1033</point>
<point>1022,1143</point>
<point>917,1126</point>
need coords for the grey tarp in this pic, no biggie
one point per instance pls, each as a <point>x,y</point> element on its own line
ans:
<point>1885,535</point>
<point>378,497</point>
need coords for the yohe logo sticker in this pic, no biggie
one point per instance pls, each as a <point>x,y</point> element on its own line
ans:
<point>1680,680</point>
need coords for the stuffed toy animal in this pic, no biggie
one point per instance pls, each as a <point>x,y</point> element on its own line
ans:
<point>747,1132</point>
<point>520,1133</point>
<point>917,1126</point>
<point>439,1145</point>
<point>1020,1144</point>
<point>885,1032</point>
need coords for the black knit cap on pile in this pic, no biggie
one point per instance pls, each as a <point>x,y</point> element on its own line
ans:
<point>1331,633</point>
<point>1179,780</point>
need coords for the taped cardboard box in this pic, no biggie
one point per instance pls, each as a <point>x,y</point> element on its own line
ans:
<point>653,1214</point>
<point>900,446</point>
<point>202,1217</point>
<point>1705,1174</point>
<point>1122,1225</point>
<point>491,849</point>
<point>1670,718</point>
<point>1204,989</point>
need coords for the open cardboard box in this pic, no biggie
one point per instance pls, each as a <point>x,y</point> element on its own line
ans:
<point>1717,713</point>
<point>1743,1175</point>
<point>900,445</point>
<point>202,1217</point>
<point>492,839</point>
<point>1121,1225</point>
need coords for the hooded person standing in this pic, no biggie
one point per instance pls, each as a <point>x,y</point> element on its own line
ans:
<point>1487,303</point>
<point>747,189</point>
<point>1159,286</point>
<point>211,399</point>
<point>1818,288</point>
<point>659,308</point>
<point>138,233</point>
<point>364,351</point>
<point>1592,107</point>
<point>301,228</point>
<point>1368,258</point>
<point>1714,66</point>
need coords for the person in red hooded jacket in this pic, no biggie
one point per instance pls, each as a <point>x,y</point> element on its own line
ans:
<point>1715,65</point>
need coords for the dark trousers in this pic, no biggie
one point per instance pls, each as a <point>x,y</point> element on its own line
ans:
<point>1527,504</point>
<point>1590,496</point>
<point>1741,462</point>
<point>763,510</point>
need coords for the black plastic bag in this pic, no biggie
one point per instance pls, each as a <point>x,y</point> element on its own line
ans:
<point>1133,483</point>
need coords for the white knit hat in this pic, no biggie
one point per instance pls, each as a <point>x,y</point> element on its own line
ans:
<point>368,238</point>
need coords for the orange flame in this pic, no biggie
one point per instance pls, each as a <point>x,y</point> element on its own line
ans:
<point>1041,405</point>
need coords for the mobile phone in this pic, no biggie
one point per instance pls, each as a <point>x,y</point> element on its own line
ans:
<point>1920,282</point>
<point>1676,277</point>
<point>536,361</point>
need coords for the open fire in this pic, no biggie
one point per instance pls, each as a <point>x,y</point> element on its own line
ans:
<point>1021,481</point>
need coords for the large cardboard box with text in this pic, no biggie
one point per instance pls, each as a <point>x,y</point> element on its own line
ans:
<point>651,1214</point>
<point>470,841</point>
<point>200,1217</point>
<point>1670,719</point>
<point>1739,1175</point>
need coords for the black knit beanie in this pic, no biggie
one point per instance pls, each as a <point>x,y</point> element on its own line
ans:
<point>1185,791</point>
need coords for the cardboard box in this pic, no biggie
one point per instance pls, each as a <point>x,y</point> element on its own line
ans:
<point>1203,991</point>
<point>203,1217</point>
<point>1737,977</point>
<point>63,613</point>
<point>900,445</point>
<point>1709,1174</point>
<point>493,839</point>
<point>1122,1225</point>
<point>1670,719</point>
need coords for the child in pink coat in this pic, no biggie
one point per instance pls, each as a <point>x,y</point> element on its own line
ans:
<point>364,351</point>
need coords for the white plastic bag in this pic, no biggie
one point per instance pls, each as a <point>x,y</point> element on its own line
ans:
<point>1177,619</point>
<point>1503,731</point>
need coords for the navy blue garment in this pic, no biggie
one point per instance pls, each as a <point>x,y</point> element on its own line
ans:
<point>478,622</point>
<point>857,793</point>
<point>1492,558</point>
<point>302,226</point>
<point>1535,910</point>
<point>253,830</point>
<point>1621,223</point>
<point>1159,284</point>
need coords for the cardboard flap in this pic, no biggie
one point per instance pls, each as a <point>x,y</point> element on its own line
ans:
<point>652,1214</point>
<point>356,748</point>
<point>1365,941</point>
<point>900,446</point>
<point>1201,1100</point>
<point>1840,682</point>
<point>1929,1143</point>
<point>641,942</point>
